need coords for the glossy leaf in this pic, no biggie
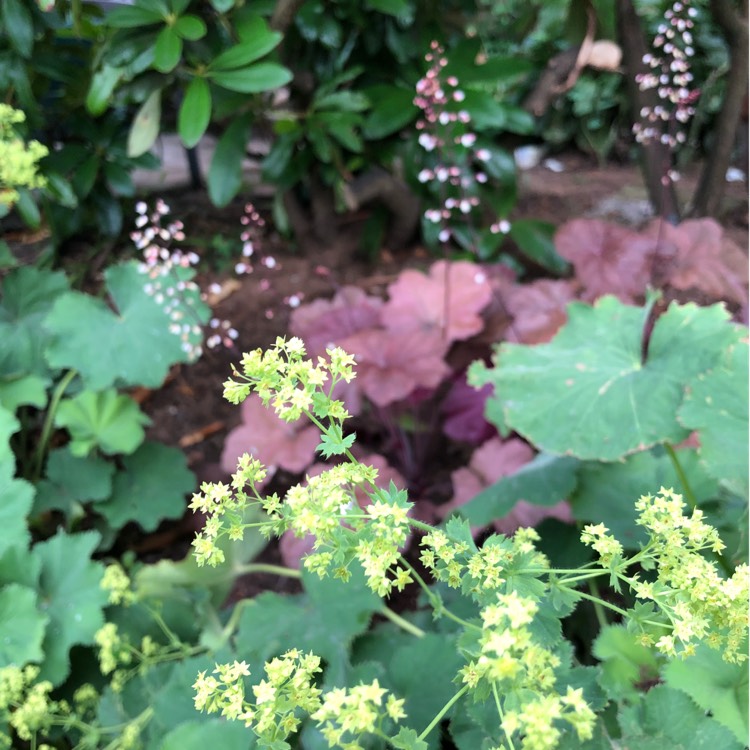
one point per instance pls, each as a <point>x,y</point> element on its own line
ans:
<point>190,27</point>
<point>106,420</point>
<point>145,127</point>
<point>225,173</point>
<point>18,25</point>
<point>253,79</point>
<point>392,109</point>
<point>102,85</point>
<point>247,52</point>
<point>195,112</point>
<point>133,17</point>
<point>534,240</point>
<point>167,50</point>
<point>588,394</point>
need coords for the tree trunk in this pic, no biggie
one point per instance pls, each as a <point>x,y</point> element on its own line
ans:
<point>734,24</point>
<point>656,158</point>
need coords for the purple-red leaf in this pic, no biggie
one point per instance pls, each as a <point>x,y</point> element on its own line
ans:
<point>538,309</point>
<point>463,410</point>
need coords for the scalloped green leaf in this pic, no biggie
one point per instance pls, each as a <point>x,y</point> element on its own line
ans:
<point>73,479</point>
<point>16,499</point>
<point>26,296</point>
<point>22,626</point>
<point>8,426</point>
<point>198,735</point>
<point>588,394</point>
<point>71,596</point>
<point>150,488</point>
<point>716,405</point>
<point>715,685</point>
<point>625,662</point>
<point>106,420</point>
<point>30,390</point>
<point>130,345</point>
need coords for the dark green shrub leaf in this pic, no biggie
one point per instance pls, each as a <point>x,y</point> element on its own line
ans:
<point>102,85</point>
<point>195,112</point>
<point>150,488</point>
<point>131,345</point>
<point>167,50</point>
<point>145,127</point>
<point>190,27</point>
<point>225,173</point>
<point>28,209</point>
<point>345,101</point>
<point>535,239</point>
<point>256,78</point>
<point>222,6</point>
<point>247,51</point>
<point>587,393</point>
<point>392,109</point>
<point>106,420</point>
<point>71,596</point>
<point>22,626</point>
<point>716,404</point>
<point>18,25</point>
<point>133,17</point>
<point>399,8</point>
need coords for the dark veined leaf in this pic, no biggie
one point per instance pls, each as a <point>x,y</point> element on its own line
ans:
<point>167,50</point>
<point>247,52</point>
<point>18,25</point>
<point>190,27</point>
<point>252,80</point>
<point>225,173</point>
<point>145,127</point>
<point>195,112</point>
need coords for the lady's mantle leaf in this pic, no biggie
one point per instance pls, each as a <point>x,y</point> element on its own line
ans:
<point>200,734</point>
<point>106,420</point>
<point>716,405</point>
<point>625,662</point>
<point>22,626</point>
<point>151,487</point>
<point>447,301</point>
<point>588,394</point>
<point>71,596</point>
<point>131,345</point>
<point>270,440</point>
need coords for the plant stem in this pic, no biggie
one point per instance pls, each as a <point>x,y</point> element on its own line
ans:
<point>444,710</point>
<point>598,609</point>
<point>602,603</point>
<point>49,420</point>
<point>688,490</point>
<point>501,715</point>
<point>396,619</point>
<point>278,570</point>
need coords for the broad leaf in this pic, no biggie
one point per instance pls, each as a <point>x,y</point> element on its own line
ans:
<point>199,735</point>
<point>626,664</point>
<point>131,345</point>
<point>30,390</point>
<point>247,52</point>
<point>588,394</point>
<point>715,686</point>
<point>225,173</point>
<point>145,127</point>
<point>102,85</point>
<point>716,405</point>
<point>18,24</point>
<point>253,79</point>
<point>195,112</point>
<point>22,626</point>
<point>190,27</point>
<point>538,309</point>
<point>27,297</point>
<point>71,596</point>
<point>392,109</point>
<point>106,420</point>
<point>168,49</point>
<point>150,488</point>
<point>133,17</point>
<point>16,499</point>
<point>534,240</point>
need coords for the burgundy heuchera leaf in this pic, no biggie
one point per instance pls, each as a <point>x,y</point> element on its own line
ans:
<point>272,441</point>
<point>448,300</point>
<point>538,309</point>
<point>463,409</point>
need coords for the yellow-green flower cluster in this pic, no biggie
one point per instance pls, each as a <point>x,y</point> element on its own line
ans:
<point>348,713</point>
<point>25,704</point>
<point>116,581</point>
<point>609,549</point>
<point>114,650</point>
<point>287,691</point>
<point>698,603</point>
<point>512,662</point>
<point>18,160</point>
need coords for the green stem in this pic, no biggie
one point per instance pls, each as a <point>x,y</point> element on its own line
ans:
<point>444,710</point>
<point>49,420</point>
<point>688,490</point>
<point>602,603</point>
<point>278,570</point>
<point>501,715</point>
<point>409,627</point>
<point>598,609</point>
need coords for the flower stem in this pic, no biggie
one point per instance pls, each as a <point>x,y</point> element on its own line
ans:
<point>444,710</point>
<point>689,495</point>
<point>596,600</point>
<point>49,420</point>
<point>395,618</point>
<point>278,570</point>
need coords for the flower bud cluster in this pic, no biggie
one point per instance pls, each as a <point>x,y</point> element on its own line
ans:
<point>670,76</point>
<point>18,160</point>
<point>25,704</point>
<point>455,170</point>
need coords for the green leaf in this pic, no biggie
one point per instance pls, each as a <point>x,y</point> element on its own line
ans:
<point>666,719</point>
<point>535,239</point>
<point>18,25</point>
<point>606,492</point>
<point>132,345</point>
<point>22,626</point>
<point>16,499</point>
<point>28,209</point>
<point>72,479</point>
<point>7,259</point>
<point>246,52</point>
<point>198,735</point>
<point>626,664</point>
<point>392,109</point>
<point>195,112</point>
<point>106,420</point>
<point>716,404</point>
<point>167,50</point>
<point>30,390</point>
<point>102,85</point>
<point>71,596</point>
<point>587,393</point>
<point>253,79</point>
<point>342,101</point>
<point>28,294</point>
<point>133,17</point>
<point>222,6</point>
<point>225,173</point>
<point>398,8</point>
<point>545,481</point>
<point>715,685</point>
<point>150,488</point>
<point>408,739</point>
<point>145,127</point>
<point>333,442</point>
<point>190,27</point>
